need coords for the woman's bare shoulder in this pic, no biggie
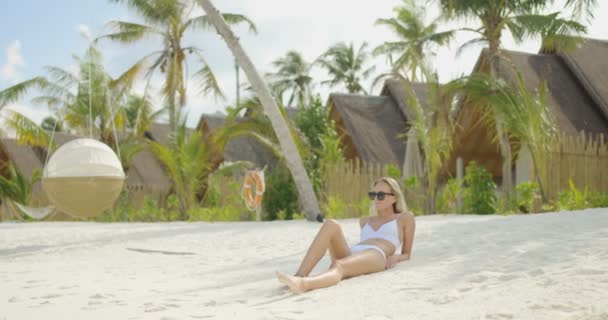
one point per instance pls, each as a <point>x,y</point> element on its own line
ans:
<point>406,217</point>
<point>363,221</point>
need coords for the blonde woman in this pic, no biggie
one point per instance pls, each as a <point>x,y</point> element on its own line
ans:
<point>387,236</point>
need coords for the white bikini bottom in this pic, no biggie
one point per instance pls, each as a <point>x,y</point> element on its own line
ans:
<point>361,247</point>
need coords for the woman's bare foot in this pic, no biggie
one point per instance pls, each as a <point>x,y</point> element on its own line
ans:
<point>294,283</point>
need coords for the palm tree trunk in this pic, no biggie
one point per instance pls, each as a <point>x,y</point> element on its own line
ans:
<point>306,194</point>
<point>503,137</point>
<point>537,174</point>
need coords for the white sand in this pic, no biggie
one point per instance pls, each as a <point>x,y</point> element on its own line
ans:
<point>544,266</point>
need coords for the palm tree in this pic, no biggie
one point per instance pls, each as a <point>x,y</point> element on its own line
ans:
<point>140,113</point>
<point>525,115</point>
<point>415,40</point>
<point>289,150</point>
<point>89,101</point>
<point>523,20</point>
<point>169,21</point>
<point>346,66</point>
<point>433,127</point>
<point>186,160</point>
<point>292,76</point>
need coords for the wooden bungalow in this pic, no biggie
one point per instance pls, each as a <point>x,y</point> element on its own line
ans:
<point>577,85</point>
<point>374,129</point>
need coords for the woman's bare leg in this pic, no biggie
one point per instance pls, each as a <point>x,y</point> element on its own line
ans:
<point>331,237</point>
<point>365,262</point>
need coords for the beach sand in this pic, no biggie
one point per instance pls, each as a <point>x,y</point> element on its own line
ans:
<point>541,266</point>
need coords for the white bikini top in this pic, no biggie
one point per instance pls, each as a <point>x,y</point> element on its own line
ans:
<point>388,231</point>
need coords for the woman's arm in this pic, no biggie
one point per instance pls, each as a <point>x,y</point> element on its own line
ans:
<point>409,229</point>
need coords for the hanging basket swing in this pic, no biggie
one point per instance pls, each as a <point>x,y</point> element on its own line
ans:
<point>83,178</point>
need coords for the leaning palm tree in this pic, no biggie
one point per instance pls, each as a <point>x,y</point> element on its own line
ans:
<point>289,150</point>
<point>169,21</point>
<point>415,43</point>
<point>292,76</point>
<point>346,65</point>
<point>523,19</point>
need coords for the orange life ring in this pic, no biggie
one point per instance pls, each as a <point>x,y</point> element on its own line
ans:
<point>253,179</point>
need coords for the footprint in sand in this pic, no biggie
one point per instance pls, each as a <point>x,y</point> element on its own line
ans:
<point>499,316</point>
<point>478,279</point>
<point>465,289</point>
<point>443,300</point>
<point>547,282</point>
<point>98,299</point>
<point>151,307</point>
<point>377,317</point>
<point>536,273</point>
<point>590,272</point>
<point>508,277</point>
<point>210,303</point>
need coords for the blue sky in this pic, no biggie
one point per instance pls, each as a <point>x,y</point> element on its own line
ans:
<point>38,33</point>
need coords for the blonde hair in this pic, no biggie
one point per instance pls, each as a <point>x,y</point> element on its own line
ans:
<point>400,205</point>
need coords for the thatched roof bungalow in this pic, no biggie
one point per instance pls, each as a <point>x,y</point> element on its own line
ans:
<point>577,96</point>
<point>374,128</point>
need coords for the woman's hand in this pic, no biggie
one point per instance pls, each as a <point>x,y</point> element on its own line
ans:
<point>391,261</point>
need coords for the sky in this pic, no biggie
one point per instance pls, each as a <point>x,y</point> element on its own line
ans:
<point>37,33</point>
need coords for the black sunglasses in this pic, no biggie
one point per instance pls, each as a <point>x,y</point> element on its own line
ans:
<point>372,195</point>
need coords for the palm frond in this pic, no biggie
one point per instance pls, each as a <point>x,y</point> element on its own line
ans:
<point>16,92</point>
<point>158,11</point>
<point>207,80</point>
<point>27,131</point>
<point>202,22</point>
<point>128,32</point>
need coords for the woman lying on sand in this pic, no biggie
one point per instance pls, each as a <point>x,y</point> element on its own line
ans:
<point>386,239</point>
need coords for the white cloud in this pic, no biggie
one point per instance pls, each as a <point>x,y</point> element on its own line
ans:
<point>84,31</point>
<point>14,61</point>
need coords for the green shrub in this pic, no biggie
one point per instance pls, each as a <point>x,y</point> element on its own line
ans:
<point>479,196</point>
<point>527,193</point>
<point>225,213</point>
<point>447,197</point>
<point>363,207</point>
<point>598,199</point>
<point>334,208</point>
<point>392,171</point>
<point>280,194</point>
<point>573,199</point>
<point>298,216</point>
<point>414,197</point>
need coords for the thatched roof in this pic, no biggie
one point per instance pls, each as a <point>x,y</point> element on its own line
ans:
<point>568,100</point>
<point>589,63</point>
<point>24,158</point>
<point>372,124</point>
<point>159,132</point>
<point>398,91</point>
